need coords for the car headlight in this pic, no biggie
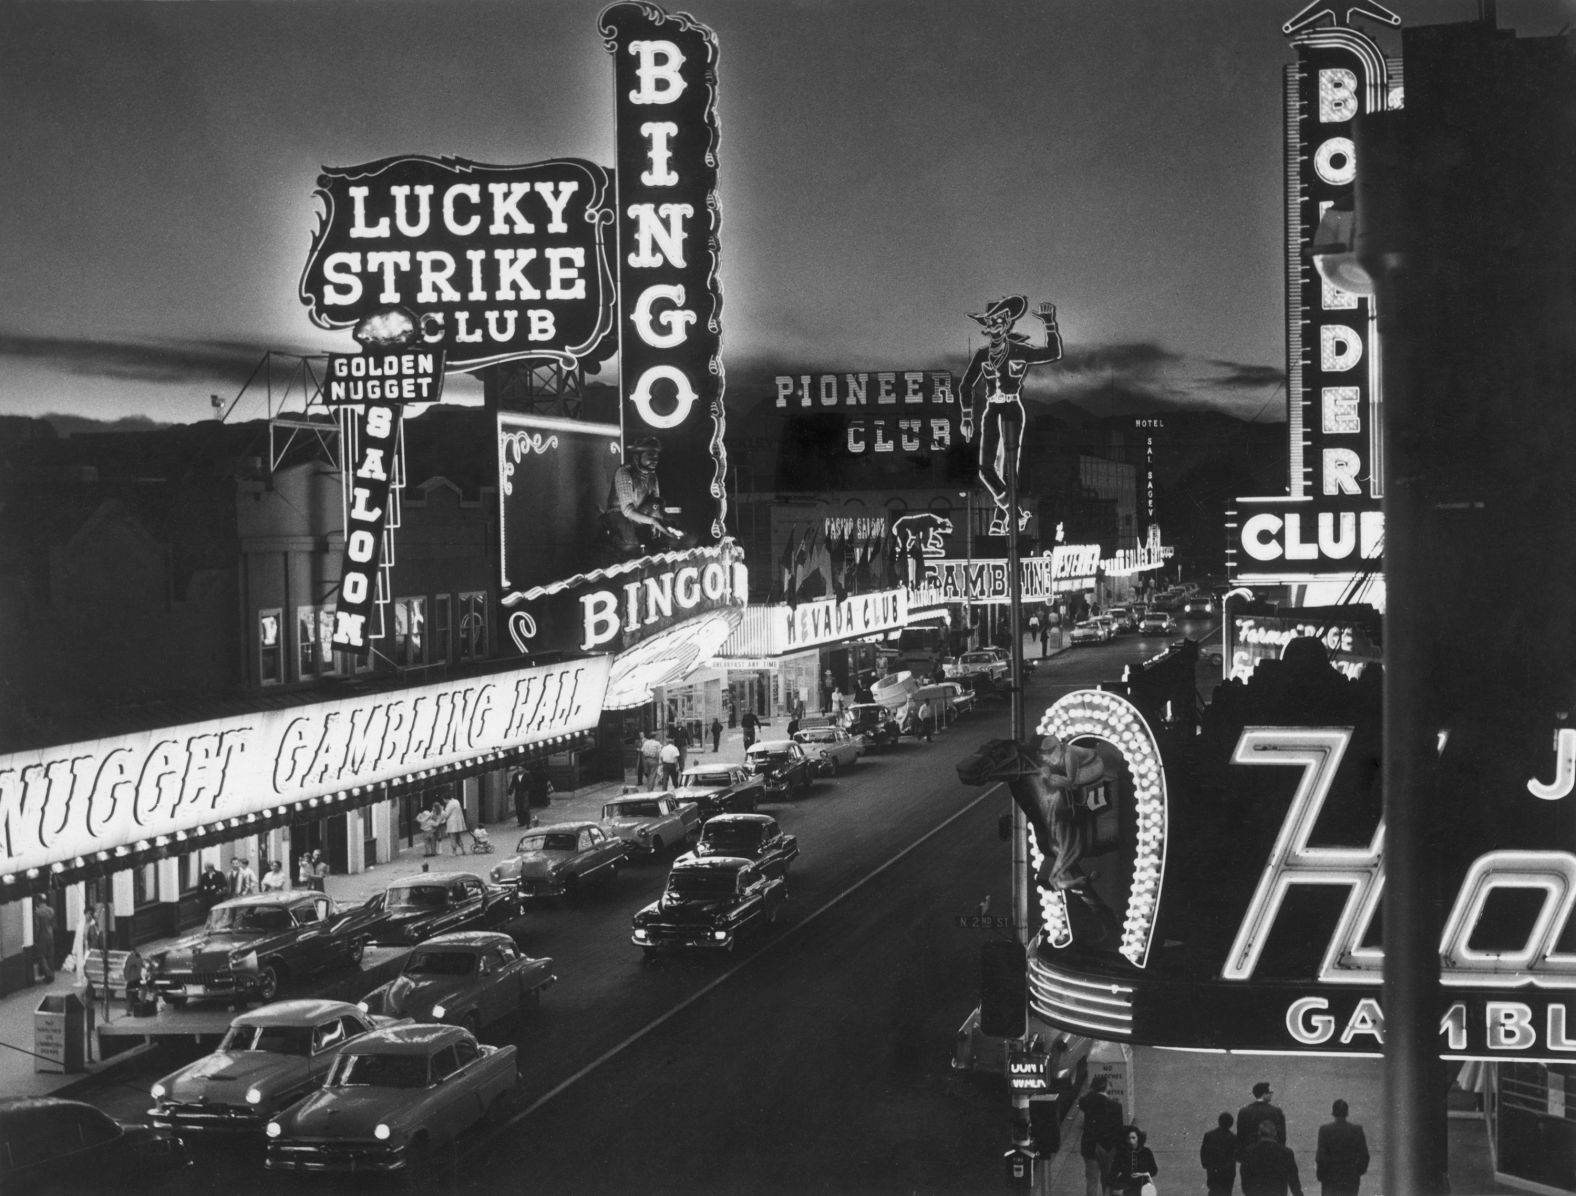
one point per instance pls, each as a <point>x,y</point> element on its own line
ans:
<point>254,1096</point>
<point>273,1129</point>
<point>381,1132</point>
<point>438,1011</point>
<point>363,1006</point>
<point>640,933</point>
<point>719,934</point>
<point>158,1091</point>
<point>495,874</point>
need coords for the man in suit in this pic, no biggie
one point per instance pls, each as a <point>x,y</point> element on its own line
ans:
<point>1217,1154</point>
<point>1261,1111</point>
<point>1268,1167</point>
<point>1342,1156</point>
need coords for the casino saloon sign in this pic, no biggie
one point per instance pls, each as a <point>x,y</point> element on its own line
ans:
<point>1221,889</point>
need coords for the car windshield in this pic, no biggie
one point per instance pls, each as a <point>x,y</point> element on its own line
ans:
<point>276,1040</point>
<point>631,809</point>
<point>441,963</point>
<point>418,897</point>
<point>696,780</point>
<point>768,757</point>
<point>817,736</point>
<point>255,919</point>
<point>552,842</point>
<point>701,884</point>
<point>732,835</point>
<point>379,1071</point>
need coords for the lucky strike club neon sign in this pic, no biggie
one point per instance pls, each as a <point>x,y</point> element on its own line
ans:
<point>1506,1000</point>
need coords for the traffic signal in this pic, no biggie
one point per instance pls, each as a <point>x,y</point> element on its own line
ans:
<point>1045,1123</point>
<point>1004,989</point>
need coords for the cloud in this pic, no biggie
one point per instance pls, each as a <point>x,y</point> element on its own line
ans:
<point>158,360</point>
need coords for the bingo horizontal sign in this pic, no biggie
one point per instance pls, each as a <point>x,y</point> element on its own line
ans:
<point>62,802</point>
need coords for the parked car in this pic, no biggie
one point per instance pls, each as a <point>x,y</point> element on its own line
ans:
<point>710,903</point>
<point>754,837</point>
<point>561,859</point>
<point>720,789</point>
<point>417,907</point>
<point>50,1144</point>
<point>783,767</point>
<point>251,945</point>
<point>472,979</point>
<point>651,822</point>
<point>1090,631</point>
<point>960,697</point>
<point>992,664</point>
<point>873,724</point>
<point>1156,622</point>
<point>267,1060</point>
<point>391,1099</point>
<point>833,748</point>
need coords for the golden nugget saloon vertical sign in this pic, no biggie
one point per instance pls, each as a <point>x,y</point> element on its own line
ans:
<point>670,303</point>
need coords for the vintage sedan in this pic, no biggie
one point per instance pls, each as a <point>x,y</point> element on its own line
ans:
<point>720,789</point>
<point>50,1144</point>
<point>268,1059</point>
<point>471,979</point>
<point>561,859</point>
<point>833,748</point>
<point>651,822</point>
<point>784,768</point>
<point>417,907</point>
<point>251,945</point>
<point>709,903</point>
<point>391,1099</point>
<point>872,724</point>
<point>1156,622</point>
<point>1091,631</point>
<point>755,837</point>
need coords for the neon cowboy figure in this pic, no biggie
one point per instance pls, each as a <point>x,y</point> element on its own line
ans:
<point>1002,362</point>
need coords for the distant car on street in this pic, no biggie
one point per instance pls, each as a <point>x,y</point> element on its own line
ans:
<point>561,859</point>
<point>755,837</point>
<point>720,789</point>
<point>417,907</point>
<point>391,1099</point>
<point>872,723</point>
<point>710,903</point>
<point>1122,619</point>
<point>833,748</point>
<point>1199,606</point>
<point>268,1059</point>
<point>470,979</point>
<point>1156,622</point>
<point>1091,631</point>
<point>50,1144</point>
<point>783,767</point>
<point>992,663</point>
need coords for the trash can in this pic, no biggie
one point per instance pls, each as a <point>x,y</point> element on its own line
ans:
<point>59,1033</point>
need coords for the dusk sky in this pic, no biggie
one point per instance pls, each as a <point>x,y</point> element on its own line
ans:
<point>885,168</point>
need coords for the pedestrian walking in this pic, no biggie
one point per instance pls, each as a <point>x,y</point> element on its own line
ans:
<point>538,786</point>
<point>716,735</point>
<point>520,794</point>
<point>1260,1112</point>
<point>430,823</point>
<point>89,938</point>
<point>650,762</point>
<point>1217,1154</point>
<point>454,823</point>
<point>245,878</point>
<point>212,886</point>
<point>1341,1159</point>
<point>132,972</point>
<point>793,726</point>
<point>1045,638</point>
<point>319,872</point>
<point>670,760</point>
<point>234,879</point>
<point>1268,1167</point>
<point>679,733</point>
<point>1102,1129</point>
<point>43,940</point>
<point>927,719</point>
<point>274,880</point>
<point>1132,1164</point>
<point>304,872</point>
<point>749,722</point>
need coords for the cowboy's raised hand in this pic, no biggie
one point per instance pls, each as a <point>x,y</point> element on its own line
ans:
<point>1047,312</point>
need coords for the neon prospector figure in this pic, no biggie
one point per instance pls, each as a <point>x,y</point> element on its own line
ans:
<point>1001,363</point>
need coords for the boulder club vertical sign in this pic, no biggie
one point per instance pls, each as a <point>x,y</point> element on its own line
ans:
<point>669,298</point>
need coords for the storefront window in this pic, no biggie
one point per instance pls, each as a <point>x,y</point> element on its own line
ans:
<point>473,625</point>
<point>440,630</point>
<point>314,653</point>
<point>144,885</point>
<point>410,631</point>
<point>270,647</point>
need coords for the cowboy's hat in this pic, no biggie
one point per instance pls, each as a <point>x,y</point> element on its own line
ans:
<point>1009,309</point>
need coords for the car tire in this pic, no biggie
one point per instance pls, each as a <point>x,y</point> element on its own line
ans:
<point>270,979</point>
<point>836,768</point>
<point>358,950</point>
<point>656,845</point>
<point>175,1002</point>
<point>571,890</point>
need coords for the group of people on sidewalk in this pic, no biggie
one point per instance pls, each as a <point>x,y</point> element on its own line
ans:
<point>1118,1163</point>
<point>214,886</point>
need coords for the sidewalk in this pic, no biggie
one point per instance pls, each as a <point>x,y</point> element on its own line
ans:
<point>17,1062</point>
